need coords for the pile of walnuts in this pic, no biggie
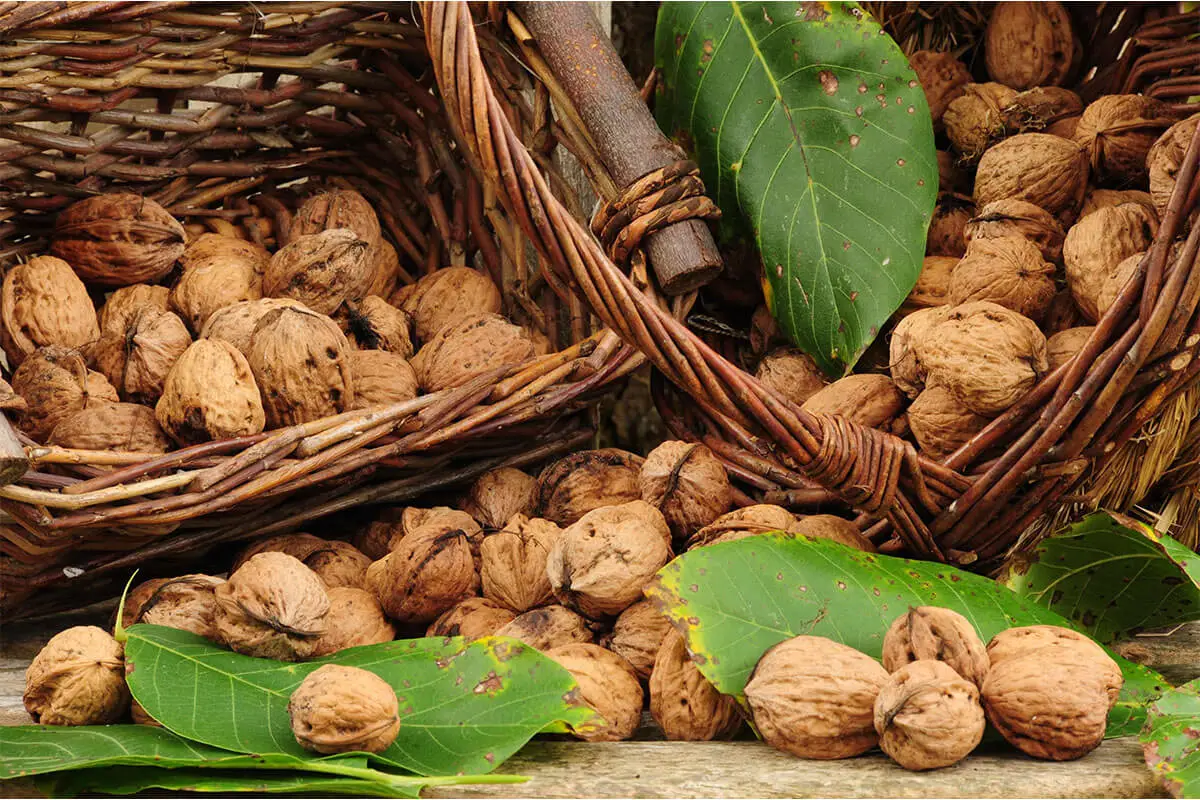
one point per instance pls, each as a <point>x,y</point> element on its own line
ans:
<point>136,333</point>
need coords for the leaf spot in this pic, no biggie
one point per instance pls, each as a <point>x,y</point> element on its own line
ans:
<point>862,88</point>
<point>829,81</point>
<point>899,162</point>
<point>841,585</point>
<point>912,84</point>
<point>853,296</point>
<point>854,137</point>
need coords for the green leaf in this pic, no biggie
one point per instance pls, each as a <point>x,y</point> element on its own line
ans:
<point>1111,579</point>
<point>735,600</point>
<point>133,780</point>
<point>813,135</point>
<point>464,708</point>
<point>1171,740</point>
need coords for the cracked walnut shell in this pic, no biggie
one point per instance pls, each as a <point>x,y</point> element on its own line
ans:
<point>43,303</point>
<point>355,619</point>
<point>338,709</point>
<point>608,684</point>
<point>928,716</point>
<point>210,394</point>
<point>687,483</point>
<point>937,634</point>
<point>118,239</point>
<point>513,563</point>
<point>684,704</point>
<point>78,678</point>
<point>55,383</point>
<point>581,482</point>
<point>272,606</point>
<point>469,347</point>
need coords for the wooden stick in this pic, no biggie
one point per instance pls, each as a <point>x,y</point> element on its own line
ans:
<point>13,461</point>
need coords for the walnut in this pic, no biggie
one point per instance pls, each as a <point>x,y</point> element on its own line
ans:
<point>1062,346</point>
<point>1063,313</point>
<point>976,119</point>
<point>43,303</point>
<point>909,338</point>
<point>1029,44</point>
<point>836,529</point>
<point>513,563</point>
<point>941,424</point>
<point>868,399</point>
<point>373,324</point>
<point>218,271</point>
<point>123,427</point>
<point>743,522</point>
<point>1009,272</point>
<point>136,360</point>
<point>548,627</point>
<point>10,400</point>
<point>346,209</point>
<point>1048,171</point>
<point>236,323</point>
<point>1164,159</point>
<point>932,286</point>
<point>950,217</point>
<point>118,239</point>
<point>928,716</point>
<point>1115,281</point>
<point>296,545</point>
<point>339,709</point>
<point>338,564</point>
<point>375,539</point>
<point>573,486</point>
<point>601,563</point>
<point>1015,643</point>
<point>469,347</point>
<point>608,684</point>
<point>1097,199</point>
<point>1117,132</point>
<point>1049,109</point>
<point>942,78</point>
<point>300,361</point>
<point>380,378</point>
<point>446,296</point>
<point>186,602</point>
<point>448,518</point>
<point>387,271</point>
<point>355,619</point>
<point>687,483</point>
<point>124,302</point>
<point>321,270</point>
<point>937,634</point>
<point>428,571</point>
<point>637,636</point>
<point>497,495</point>
<point>1007,218</point>
<point>815,698</point>
<point>1098,243</point>
<point>472,619</point>
<point>55,383</point>
<point>210,394</point>
<point>684,704</point>
<point>272,607</point>
<point>78,678</point>
<point>792,373</point>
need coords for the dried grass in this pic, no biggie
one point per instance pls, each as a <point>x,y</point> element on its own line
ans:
<point>954,27</point>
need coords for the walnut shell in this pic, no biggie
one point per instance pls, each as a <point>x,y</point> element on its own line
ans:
<point>1062,346</point>
<point>941,424</point>
<point>946,228</point>
<point>868,399</point>
<point>1015,643</point>
<point>930,633</point>
<point>1048,171</point>
<point>321,270</point>
<point>118,239</point>
<point>743,522</point>
<point>548,627</point>
<point>187,603</point>
<point>952,177</point>
<point>339,709</point>
<point>815,698</point>
<point>472,619</point>
<point>297,545</point>
<point>374,540</point>
<point>339,564</point>
<point>601,563</point>
<point>300,361</point>
<point>355,619</point>
<point>1007,218</point>
<point>928,716</point>
<point>608,684</point>
<point>55,383</point>
<point>932,286</point>
<point>126,301</point>
<point>448,518</point>
<point>78,678</point>
<point>1115,281</point>
<point>513,563</point>
<point>373,324</point>
<point>121,427</point>
<point>942,78</point>
<point>210,394</point>
<point>909,338</point>
<point>1097,199</point>
<point>498,494</point>
<point>136,360</point>
<point>684,704</point>
<point>1164,159</point>
<point>975,120</point>
<point>1009,272</point>
<point>218,271</point>
<point>1044,108</point>
<point>581,482</point>
<point>833,528</point>
<point>1098,243</point>
<point>1117,132</point>
<point>1029,44</point>
<point>1063,313</point>
<point>343,208</point>
<point>236,323</point>
<point>469,347</point>
<point>380,378</point>
<point>638,634</point>
<point>387,271</point>
<point>687,483</point>
<point>792,373</point>
<point>446,296</point>
<point>428,571</point>
<point>43,303</point>
<point>272,607</point>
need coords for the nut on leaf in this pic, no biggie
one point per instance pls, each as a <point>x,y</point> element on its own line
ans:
<point>78,678</point>
<point>123,303</point>
<point>1048,171</point>
<point>868,399</point>
<point>338,564</point>
<point>472,619</point>
<point>600,564</point>
<point>932,286</point>
<point>1009,272</point>
<point>1007,218</point>
<point>320,270</point>
<point>136,360</point>
<point>942,78</point>
<point>792,373</point>
<point>380,378</point>
<point>355,619</point>
<point>187,603</point>
<point>975,120</point>
<point>272,606</point>
<point>1098,243</point>
<point>463,349</point>
<point>236,323</point>
<point>218,271</point>
<point>637,636</point>
<point>43,303</point>
<point>445,296</point>
<point>1029,44</point>
<point>684,704</point>
<point>743,522</point>
<point>512,565</point>
<point>548,627</point>
<point>608,684</point>
<point>928,716</point>
<point>1164,159</point>
<point>1117,132</point>
<point>374,324</point>
<point>427,572</point>
<point>339,709</point>
<point>118,239</point>
<point>121,427</point>
<point>55,383</point>
<point>815,698</point>
<point>941,424</point>
<point>498,494</point>
<point>210,394</point>
<point>835,529</point>
<point>950,217</point>
<point>300,362</point>
<point>687,483</point>
<point>930,633</point>
<point>1062,346</point>
<point>580,482</point>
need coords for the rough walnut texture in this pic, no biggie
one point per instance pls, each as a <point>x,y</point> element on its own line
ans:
<point>354,619</point>
<point>928,716</point>
<point>868,399</point>
<point>447,296</point>
<point>321,270</point>
<point>1117,132</point>
<point>976,119</point>
<point>1048,171</point>
<point>469,347</point>
<point>338,564</point>
<point>136,360</point>
<point>445,517</point>
<point>548,627</point>
<point>950,217</point>
<point>938,634</point>
<point>1049,109</point>
<point>218,271</point>
<point>513,563</point>
<point>1012,217</point>
<point>210,394</point>
<point>1165,158</point>
<point>499,494</point>
<point>941,424</point>
<point>608,684</point>
<point>339,709</point>
<point>126,301</point>
<point>374,324</point>
<point>684,704</point>
<point>1062,346</point>
<point>118,239</point>
<point>42,303</point>
<point>428,571</point>
<point>932,286</point>
<point>472,619</point>
<point>236,323</point>
<point>120,427</point>
<point>835,529</point>
<point>637,636</point>
<point>687,483</point>
<point>1098,243</point>
<point>743,522</point>
<point>1029,44</point>
<point>1009,272</point>
<point>296,545</point>
<point>272,607</point>
<point>792,373</point>
<point>380,378</point>
<point>343,208</point>
<point>1097,199</point>
<point>78,678</point>
<point>55,383</point>
<point>186,603</point>
<point>580,482</point>
<point>942,78</point>
<point>300,360</point>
